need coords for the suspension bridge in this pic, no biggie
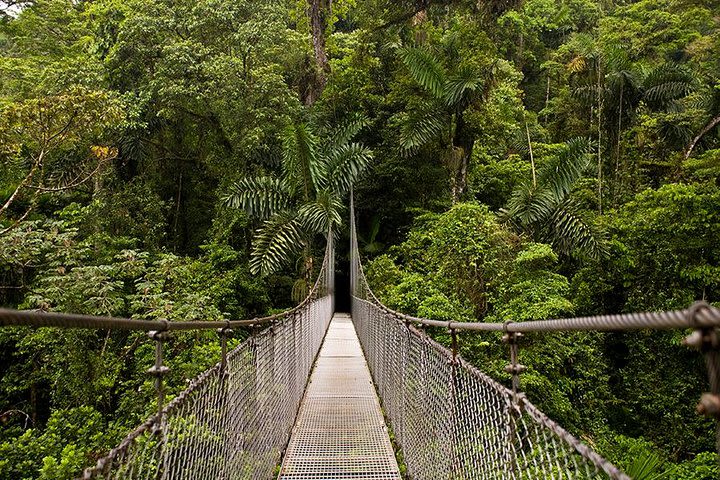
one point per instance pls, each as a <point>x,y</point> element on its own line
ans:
<point>313,394</point>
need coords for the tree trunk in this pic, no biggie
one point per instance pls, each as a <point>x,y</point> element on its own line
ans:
<point>617,187</point>
<point>532,158</point>
<point>547,98</point>
<point>464,143</point>
<point>318,13</point>
<point>619,132</point>
<point>599,146</point>
<point>26,181</point>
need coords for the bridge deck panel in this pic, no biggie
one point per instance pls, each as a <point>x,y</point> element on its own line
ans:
<point>340,431</point>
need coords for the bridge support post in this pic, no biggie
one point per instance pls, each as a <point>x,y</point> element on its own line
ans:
<point>159,370</point>
<point>514,368</point>
<point>223,333</point>
<point>706,340</point>
<point>455,467</point>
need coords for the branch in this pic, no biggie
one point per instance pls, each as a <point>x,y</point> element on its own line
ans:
<point>25,181</point>
<point>7,414</point>
<point>423,5</point>
<point>18,221</point>
<point>76,182</point>
<point>714,122</point>
<point>63,130</point>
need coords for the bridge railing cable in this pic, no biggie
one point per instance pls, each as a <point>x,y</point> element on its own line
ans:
<point>233,420</point>
<point>454,421</point>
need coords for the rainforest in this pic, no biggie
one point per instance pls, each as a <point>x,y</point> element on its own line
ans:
<point>509,160</point>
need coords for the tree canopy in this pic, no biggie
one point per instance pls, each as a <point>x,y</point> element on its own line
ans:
<point>510,160</point>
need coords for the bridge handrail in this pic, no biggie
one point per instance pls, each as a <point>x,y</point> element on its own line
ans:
<point>699,315</point>
<point>121,456</point>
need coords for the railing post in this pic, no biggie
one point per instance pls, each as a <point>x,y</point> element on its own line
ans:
<point>514,369</point>
<point>454,362</point>
<point>159,370</point>
<point>706,340</point>
<point>224,333</point>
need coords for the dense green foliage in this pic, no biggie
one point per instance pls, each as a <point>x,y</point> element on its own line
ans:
<point>530,159</point>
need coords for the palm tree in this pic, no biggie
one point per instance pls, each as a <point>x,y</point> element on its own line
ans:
<point>440,115</point>
<point>544,210</point>
<point>614,88</point>
<point>318,167</point>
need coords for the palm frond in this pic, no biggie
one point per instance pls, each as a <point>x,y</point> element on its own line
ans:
<point>667,92</point>
<point>566,168</point>
<point>425,69</point>
<point>420,128</point>
<point>588,93</point>
<point>569,233</point>
<point>530,205</point>
<point>303,166</point>
<point>649,467</point>
<point>626,79</point>
<point>300,290</point>
<point>259,196</point>
<point>345,131</point>
<point>345,164</point>
<point>317,216</point>
<point>274,244</point>
<point>456,86</point>
<point>667,84</point>
<point>545,212</point>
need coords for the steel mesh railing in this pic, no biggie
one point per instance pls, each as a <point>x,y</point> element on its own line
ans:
<point>233,420</point>
<point>230,424</point>
<point>451,420</point>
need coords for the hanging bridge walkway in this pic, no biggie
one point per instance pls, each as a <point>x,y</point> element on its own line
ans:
<point>340,431</point>
<point>307,395</point>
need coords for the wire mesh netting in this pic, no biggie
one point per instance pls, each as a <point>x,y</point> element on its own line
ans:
<point>451,420</point>
<point>231,423</point>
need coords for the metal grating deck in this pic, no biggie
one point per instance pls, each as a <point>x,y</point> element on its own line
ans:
<point>340,431</point>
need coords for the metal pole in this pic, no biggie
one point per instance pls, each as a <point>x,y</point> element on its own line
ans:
<point>224,333</point>
<point>454,363</point>
<point>159,370</point>
<point>706,340</point>
<point>514,369</point>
